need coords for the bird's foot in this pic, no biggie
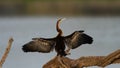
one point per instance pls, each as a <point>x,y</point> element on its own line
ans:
<point>68,52</point>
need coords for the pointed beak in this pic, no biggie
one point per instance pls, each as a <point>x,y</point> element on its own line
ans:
<point>62,19</point>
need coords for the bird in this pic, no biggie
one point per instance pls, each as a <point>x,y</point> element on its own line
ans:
<point>59,43</point>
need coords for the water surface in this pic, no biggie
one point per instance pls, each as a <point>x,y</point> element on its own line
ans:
<point>104,30</point>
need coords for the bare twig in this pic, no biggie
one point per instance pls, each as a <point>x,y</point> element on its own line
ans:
<point>6,52</point>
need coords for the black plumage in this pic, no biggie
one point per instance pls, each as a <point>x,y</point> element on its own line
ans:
<point>58,43</point>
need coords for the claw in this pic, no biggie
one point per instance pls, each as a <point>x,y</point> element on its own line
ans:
<point>68,51</point>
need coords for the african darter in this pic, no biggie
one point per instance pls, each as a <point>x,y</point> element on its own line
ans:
<point>58,43</point>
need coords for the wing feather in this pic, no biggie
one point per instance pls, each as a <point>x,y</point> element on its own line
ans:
<point>39,45</point>
<point>77,38</point>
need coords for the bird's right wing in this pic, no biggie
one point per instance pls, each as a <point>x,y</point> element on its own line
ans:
<point>39,45</point>
<point>76,39</point>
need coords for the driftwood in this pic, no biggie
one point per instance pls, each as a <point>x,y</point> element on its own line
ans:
<point>102,61</point>
<point>6,52</point>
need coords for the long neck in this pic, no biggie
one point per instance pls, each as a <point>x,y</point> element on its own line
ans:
<point>58,28</point>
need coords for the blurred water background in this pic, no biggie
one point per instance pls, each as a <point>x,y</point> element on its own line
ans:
<point>25,19</point>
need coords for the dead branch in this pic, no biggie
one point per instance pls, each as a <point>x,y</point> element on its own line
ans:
<point>111,58</point>
<point>6,52</point>
<point>101,61</point>
<point>59,62</point>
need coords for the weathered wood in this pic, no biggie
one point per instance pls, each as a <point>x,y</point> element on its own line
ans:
<point>102,61</point>
<point>6,52</point>
<point>111,58</point>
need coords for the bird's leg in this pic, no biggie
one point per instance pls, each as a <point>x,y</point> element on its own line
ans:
<point>68,51</point>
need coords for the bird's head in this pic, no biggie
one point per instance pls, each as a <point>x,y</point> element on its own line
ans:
<point>58,24</point>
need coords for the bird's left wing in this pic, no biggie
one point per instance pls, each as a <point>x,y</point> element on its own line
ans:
<point>39,45</point>
<point>76,39</point>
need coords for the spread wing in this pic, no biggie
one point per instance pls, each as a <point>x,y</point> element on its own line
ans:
<point>39,45</point>
<point>76,39</point>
